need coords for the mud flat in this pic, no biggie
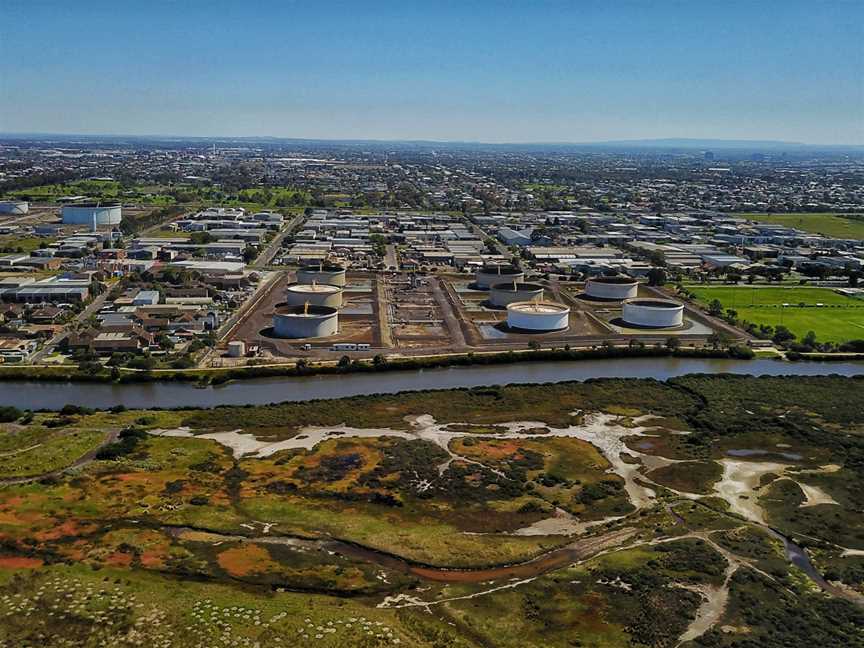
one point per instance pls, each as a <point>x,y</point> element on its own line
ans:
<point>740,477</point>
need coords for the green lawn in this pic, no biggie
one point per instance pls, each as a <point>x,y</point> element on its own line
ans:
<point>835,225</point>
<point>838,320</point>
<point>23,243</point>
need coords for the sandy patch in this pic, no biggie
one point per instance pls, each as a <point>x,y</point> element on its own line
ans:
<point>815,496</point>
<point>561,523</point>
<point>739,485</point>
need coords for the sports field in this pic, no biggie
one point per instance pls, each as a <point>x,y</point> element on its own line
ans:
<point>834,225</point>
<point>839,319</point>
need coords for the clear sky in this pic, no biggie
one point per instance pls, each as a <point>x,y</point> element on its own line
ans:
<point>501,71</point>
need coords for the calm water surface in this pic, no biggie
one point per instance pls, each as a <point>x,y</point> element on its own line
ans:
<point>47,395</point>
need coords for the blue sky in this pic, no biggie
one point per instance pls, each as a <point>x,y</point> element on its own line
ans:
<point>466,70</point>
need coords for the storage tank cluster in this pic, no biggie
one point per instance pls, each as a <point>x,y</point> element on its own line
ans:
<point>488,276</point>
<point>305,321</point>
<point>653,313</point>
<point>612,288</point>
<point>311,307</point>
<point>14,207</point>
<point>99,215</point>
<point>538,316</point>
<point>503,294</point>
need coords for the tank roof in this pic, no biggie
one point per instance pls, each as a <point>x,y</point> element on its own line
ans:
<point>305,310</point>
<point>314,288</point>
<point>655,303</point>
<point>327,267</point>
<point>538,307</point>
<point>503,270</point>
<point>520,287</point>
<point>613,280</point>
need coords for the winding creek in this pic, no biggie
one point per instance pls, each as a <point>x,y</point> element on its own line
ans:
<point>261,391</point>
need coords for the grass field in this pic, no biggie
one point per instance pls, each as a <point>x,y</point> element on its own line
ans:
<point>838,320</point>
<point>23,243</point>
<point>835,225</point>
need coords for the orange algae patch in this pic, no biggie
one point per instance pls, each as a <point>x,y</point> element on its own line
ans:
<point>67,528</point>
<point>246,558</point>
<point>153,559</point>
<point>19,562</point>
<point>118,559</point>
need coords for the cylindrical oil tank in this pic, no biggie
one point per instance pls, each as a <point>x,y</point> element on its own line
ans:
<point>653,313</point>
<point>17,207</point>
<point>612,288</point>
<point>490,275</point>
<point>315,294</point>
<point>502,294</point>
<point>538,316</point>
<point>323,274</point>
<point>236,349</point>
<point>305,321</point>
<point>90,214</point>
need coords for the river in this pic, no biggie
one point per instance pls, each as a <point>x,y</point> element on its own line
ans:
<point>259,391</point>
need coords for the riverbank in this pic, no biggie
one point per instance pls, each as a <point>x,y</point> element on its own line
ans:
<point>220,376</point>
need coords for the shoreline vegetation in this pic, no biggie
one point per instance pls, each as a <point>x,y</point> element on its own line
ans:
<point>73,373</point>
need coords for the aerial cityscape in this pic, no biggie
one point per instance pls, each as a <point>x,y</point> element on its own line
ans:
<point>282,369</point>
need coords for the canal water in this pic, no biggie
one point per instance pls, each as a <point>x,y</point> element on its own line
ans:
<point>260,391</point>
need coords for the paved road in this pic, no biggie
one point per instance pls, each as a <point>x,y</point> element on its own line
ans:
<point>391,260</point>
<point>266,257</point>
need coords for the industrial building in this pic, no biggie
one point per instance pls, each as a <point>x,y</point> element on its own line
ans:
<point>322,273</point>
<point>14,207</point>
<point>653,313</point>
<point>489,275</point>
<point>315,294</point>
<point>305,321</point>
<point>504,294</point>
<point>538,316</point>
<point>92,215</point>
<point>612,288</point>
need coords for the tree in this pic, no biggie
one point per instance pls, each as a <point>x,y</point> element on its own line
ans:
<point>656,277</point>
<point>715,308</point>
<point>250,253</point>
<point>344,362</point>
<point>201,238</point>
<point>673,343</point>
<point>165,342</point>
<point>810,339</point>
<point>379,360</point>
<point>782,334</point>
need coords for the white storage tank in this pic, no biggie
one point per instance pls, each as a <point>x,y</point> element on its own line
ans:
<point>16,207</point>
<point>612,288</point>
<point>315,294</point>
<point>100,215</point>
<point>236,349</point>
<point>538,316</point>
<point>488,276</point>
<point>305,321</point>
<point>325,273</point>
<point>503,294</point>
<point>653,313</point>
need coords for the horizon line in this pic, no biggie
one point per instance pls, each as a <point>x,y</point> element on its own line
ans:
<point>631,141</point>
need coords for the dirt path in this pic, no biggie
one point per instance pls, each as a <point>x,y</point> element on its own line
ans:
<point>110,437</point>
